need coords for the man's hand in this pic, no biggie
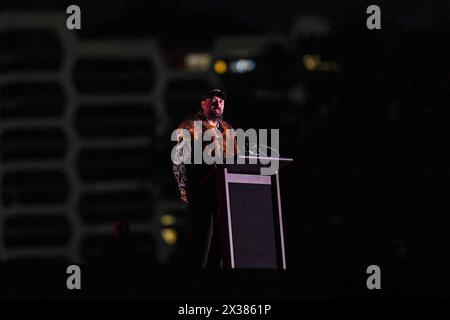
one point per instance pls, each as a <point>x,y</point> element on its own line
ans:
<point>183,196</point>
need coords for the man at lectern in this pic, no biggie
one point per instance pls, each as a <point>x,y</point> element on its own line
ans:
<point>196,180</point>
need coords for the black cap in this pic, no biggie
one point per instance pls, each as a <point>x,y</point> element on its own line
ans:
<point>214,92</point>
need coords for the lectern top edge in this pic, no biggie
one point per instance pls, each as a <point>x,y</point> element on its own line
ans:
<point>266,158</point>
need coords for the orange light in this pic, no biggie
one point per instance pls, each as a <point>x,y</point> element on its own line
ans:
<point>169,235</point>
<point>167,220</point>
<point>311,62</point>
<point>220,67</point>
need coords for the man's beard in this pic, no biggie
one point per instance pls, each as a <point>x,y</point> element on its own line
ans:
<point>215,116</point>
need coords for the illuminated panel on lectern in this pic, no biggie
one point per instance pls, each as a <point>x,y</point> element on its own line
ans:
<point>253,225</point>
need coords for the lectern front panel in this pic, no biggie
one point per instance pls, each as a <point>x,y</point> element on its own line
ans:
<point>252,224</point>
<point>251,219</point>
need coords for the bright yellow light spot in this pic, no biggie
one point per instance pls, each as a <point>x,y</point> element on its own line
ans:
<point>167,220</point>
<point>169,235</point>
<point>311,62</point>
<point>220,66</point>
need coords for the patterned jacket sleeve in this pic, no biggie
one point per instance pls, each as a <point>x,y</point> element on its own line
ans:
<point>179,171</point>
<point>182,151</point>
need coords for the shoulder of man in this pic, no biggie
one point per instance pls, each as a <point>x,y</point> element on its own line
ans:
<point>188,122</point>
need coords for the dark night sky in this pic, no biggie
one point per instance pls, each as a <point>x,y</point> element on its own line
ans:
<point>262,15</point>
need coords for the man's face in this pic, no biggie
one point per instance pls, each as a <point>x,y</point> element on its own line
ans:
<point>213,107</point>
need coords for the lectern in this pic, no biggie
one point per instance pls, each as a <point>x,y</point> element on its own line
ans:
<point>250,215</point>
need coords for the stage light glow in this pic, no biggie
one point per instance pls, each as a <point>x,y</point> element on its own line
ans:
<point>220,67</point>
<point>242,66</point>
<point>167,220</point>
<point>311,62</point>
<point>197,61</point>
<point>169,235</point>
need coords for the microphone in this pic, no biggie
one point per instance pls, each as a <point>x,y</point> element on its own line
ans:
<point>256,150</point>
<point>271,149</point>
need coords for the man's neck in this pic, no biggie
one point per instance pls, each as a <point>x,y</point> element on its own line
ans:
<point>211,122</point>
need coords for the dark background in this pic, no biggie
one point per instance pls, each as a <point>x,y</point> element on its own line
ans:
<point>86,117</point>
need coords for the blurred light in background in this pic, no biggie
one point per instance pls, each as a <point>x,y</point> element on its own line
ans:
<point>169,235</point>
<point>314,62</point>
<point>197,61</point>
<point>311,62</point>
<point>330,66</point>
<point>220,66</point>
<point>242,66</point>
<point>168,220</point>
<point>308,25</point>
